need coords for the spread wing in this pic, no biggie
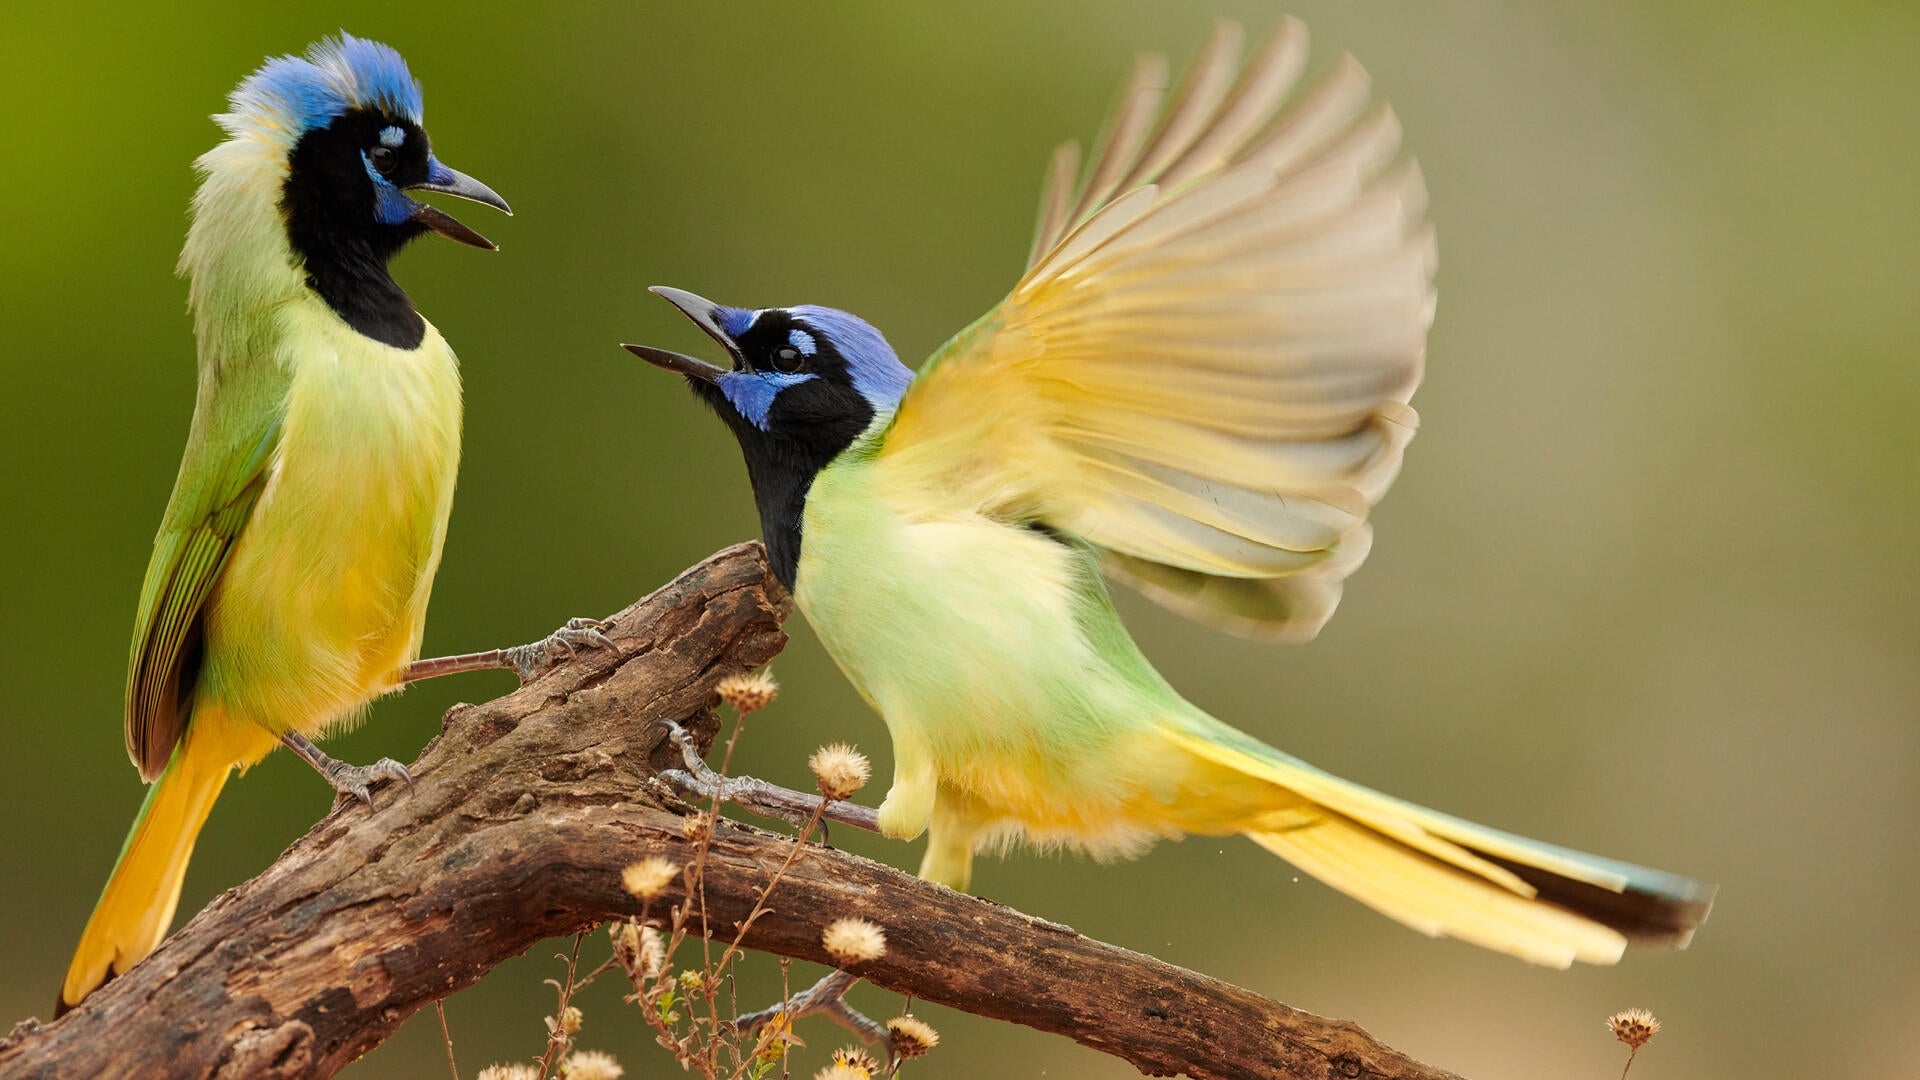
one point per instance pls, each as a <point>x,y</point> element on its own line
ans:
<point>1205,369</point>
<point>221,478</point>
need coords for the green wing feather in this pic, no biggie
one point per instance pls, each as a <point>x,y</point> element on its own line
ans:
<point>221,479</point>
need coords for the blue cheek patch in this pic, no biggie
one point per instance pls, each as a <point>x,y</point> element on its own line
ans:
<point>752,392</point>
<point>390,205</point>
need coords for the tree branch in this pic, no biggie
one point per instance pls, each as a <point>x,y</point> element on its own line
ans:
<point>524,812</point>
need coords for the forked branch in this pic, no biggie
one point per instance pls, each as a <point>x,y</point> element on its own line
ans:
<point>524,812</point>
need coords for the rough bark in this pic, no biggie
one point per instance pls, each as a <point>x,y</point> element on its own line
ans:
<point>524,812</point>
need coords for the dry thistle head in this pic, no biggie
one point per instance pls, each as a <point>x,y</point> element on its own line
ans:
<point>691,980</point>
<point>911,1036</point>
<point>647,877</point>
<point>625,937</point>
<point>840,770</point>
<point>695,824</point>
<point>515,1071</point>
<point>653,952</point>
<point>843,1072</point>
<point>855,1058</point>
<point>850,940</point>
<point>1635,1027</point>
<point>569,1022</point>
<point>748,693</point>
<point>640,950</point>
<point>591,1065</point>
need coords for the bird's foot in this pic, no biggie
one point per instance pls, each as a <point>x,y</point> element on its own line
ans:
<point>354,781</point>
<point>528,661</point>
<point>828,998</point>
<point>699,780</point>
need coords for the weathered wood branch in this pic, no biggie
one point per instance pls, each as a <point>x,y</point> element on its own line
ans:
<point>524,812</point>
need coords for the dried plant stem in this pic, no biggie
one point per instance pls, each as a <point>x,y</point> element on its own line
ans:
<point>558,1038</point>
<point>1631,1054</point>
<point>440,1007</point>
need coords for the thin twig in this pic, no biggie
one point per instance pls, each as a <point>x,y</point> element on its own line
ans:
<point>440,1007</point>
<point>558,1038</point>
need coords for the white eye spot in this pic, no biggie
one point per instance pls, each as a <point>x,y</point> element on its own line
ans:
<point>803,341</point>
<point>392,137</point>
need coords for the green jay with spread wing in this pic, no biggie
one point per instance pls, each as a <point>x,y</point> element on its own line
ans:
<point>289,580</point>
<point>1199,387</point>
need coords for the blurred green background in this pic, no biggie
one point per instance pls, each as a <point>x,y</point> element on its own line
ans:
<point>1646,586</point>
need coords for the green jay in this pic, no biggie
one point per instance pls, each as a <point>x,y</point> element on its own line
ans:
<point>1199,387</point>
<point>289,580</point>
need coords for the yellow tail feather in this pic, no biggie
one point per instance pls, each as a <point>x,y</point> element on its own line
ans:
<point>137,906</point>
<point>1439,899</point>
<point>1447,877</point>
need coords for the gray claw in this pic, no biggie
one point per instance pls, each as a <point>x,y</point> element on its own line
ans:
<point>529,661</point>
<point>358,780</point>
<point>699,779</point>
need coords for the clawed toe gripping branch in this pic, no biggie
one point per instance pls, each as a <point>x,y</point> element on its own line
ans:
<point>526,811</point>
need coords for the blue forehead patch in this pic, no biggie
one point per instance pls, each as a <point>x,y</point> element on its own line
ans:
<point>735,321</point>
<point>752,392</point>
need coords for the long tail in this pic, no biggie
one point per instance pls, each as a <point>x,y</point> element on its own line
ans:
<point>1442,875</point>
<point>137,905</point>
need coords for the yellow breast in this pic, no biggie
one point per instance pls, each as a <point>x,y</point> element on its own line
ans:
<point>325,598</point>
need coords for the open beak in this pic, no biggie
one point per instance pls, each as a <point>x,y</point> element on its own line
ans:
<point>703,313</point>
<point>460,185</point>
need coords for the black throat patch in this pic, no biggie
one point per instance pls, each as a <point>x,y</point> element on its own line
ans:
<point>328,201</point>
<point>803,436</point>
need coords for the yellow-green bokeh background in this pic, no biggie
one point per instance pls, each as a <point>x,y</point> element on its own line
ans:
<point>1645,587</point>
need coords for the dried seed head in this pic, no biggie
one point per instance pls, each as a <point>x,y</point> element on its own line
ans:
<point>591,1065</point>
<point>570,1020</point>
<point>695,824</point>
<point>639,949</point>
<point>840,770</point>
<point>843,1072</point>
<point>509,1072</point>
<point>626,944</point>
<point>855,1058</point>
<point>653,952</point>
<point>626,940</point>
<point>647,877</point>
<point>691,980</point>
<point>748,693</point>
<point>851,940</point>
<point>1635,1027</point>
<point>911,1036</point>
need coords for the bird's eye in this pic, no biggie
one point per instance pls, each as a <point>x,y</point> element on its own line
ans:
<point>383,159</point>
<point>786,359</point>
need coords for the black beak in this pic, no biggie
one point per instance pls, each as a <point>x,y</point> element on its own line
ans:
<point>460,185</point>
<point>701,311</point>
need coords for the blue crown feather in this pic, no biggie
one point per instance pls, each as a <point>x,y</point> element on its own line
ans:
<point>297,94</point>
<point>877,373</point>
